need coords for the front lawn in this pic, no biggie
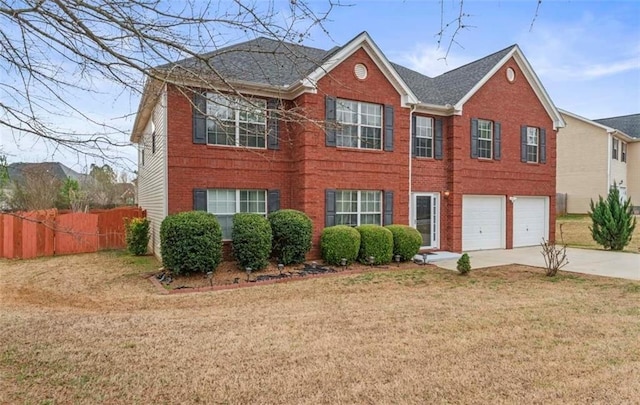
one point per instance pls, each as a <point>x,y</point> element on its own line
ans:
<point>574,230</point>
<point>90,329</point>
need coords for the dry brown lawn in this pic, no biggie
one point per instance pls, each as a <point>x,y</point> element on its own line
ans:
<point>89,329</point>
<point>574,230</point>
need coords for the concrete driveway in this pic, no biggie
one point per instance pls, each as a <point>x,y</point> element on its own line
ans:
<point>587,261</point>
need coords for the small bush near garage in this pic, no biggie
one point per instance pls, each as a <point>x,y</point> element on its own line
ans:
<point>406,241</point>
<point>136,235</point>
<point>339,242</point>
<point>464,264</point>
<point>292,231</point>
<point>375,241</point>
<point>191,242</point>
<point>252,239</point>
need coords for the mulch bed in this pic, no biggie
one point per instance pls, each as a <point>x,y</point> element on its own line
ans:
<point>229,276</point>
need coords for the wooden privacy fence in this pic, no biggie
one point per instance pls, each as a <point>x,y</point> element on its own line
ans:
<point>25,235</point>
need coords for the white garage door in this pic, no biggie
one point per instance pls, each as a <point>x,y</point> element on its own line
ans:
<point>483,222</point>
<point>530,220</point>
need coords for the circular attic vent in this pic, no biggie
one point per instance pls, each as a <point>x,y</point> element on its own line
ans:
<point>511,75</point>
<point>360,71</point>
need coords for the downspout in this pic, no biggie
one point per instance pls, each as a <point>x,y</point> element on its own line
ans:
<point>413,108</point>
<point>609,151</point>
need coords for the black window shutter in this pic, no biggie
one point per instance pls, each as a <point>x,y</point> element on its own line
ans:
<point>543,145</point>
<point>330,208</point>
<point>199,199</point>
<point>273,201</point>
<point>414,141</point>
<point>388,128</point>
<point>273,124</point>
<point>438,139</point>
<point>199,118</point>
<point>474,138</point>
<point>388,208</point>
<point>330,120</point>
<point>497,141</point>
<point>523,143</point>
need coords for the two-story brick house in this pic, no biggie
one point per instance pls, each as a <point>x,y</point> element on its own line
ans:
<point>468,157</point>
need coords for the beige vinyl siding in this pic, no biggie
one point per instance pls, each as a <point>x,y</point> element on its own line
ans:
<point>633,172</point>
<point>583,155</point>
<point>152,175</point>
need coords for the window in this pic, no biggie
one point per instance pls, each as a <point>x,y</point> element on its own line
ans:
<point>614,148</point>
<point>153,142</point>
<point>355,208</point>
<point>485,139</point>
<point>236,122</point>
<point>360,124</point>
<point>623,156</point>
<point>533,137</point>
<point>424,137</point>
<point>224,203</point>
<point>142,155</point>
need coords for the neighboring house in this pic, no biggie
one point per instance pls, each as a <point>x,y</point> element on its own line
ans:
<point>468,157</point>
<point>593,154</point>
<point>56,169</point>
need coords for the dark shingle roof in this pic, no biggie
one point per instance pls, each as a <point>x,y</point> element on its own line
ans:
<point>629,124</point>
<point>276,63</point>
<point>261,61</point>
<point>58,170</point>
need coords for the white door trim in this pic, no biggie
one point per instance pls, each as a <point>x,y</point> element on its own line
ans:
<point>435,216</point>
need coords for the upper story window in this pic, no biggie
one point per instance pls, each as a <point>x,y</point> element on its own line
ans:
<point>359,124</point>
<point>233,121</point>
<point>424,137</point>
<point>224,203</point>
<point>614,148</point>
<point>533,138</point>
<point>485,139</point>
<point>358,207</point>
<point>623,154</point>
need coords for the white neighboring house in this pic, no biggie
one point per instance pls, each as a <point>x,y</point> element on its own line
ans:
<point>593,154</point>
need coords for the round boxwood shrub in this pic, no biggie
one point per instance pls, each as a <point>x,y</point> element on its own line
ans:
<point>251,240</point>
<point>292,232</point>
<point>375,241</point>
<point>339,242</point>
<point>406,241</point>
<point>191,242</point>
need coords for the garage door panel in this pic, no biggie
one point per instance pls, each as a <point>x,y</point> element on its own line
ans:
<point>482,222</point>
<point>530,221</point>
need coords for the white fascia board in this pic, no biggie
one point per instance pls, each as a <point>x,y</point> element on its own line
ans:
<point>365,42</point>
<point>532,78</point>
<point>436,109</point>
<point>151,92</point>
<point>609,130</point>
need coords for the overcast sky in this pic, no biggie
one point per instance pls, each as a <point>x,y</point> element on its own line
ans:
<point>586,53</point>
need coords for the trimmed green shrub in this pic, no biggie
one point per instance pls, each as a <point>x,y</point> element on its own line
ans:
<point>136,235</point>
<point>406,241</point>
<point>613,220</point>
<point>292,231</point>
<point>251,240</point>
<point>375,241</point>
<point>191,242</point>
<point>464,264</point>
<point>339,242</point>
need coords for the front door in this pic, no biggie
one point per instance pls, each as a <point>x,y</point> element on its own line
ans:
<point>425,218</point>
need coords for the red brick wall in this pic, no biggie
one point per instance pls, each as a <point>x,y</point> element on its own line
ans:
<point>304,167</point>
<point>511,104</point>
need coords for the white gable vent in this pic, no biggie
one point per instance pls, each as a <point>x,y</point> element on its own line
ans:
<point>360,71</point>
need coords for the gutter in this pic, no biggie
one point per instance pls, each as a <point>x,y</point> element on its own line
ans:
<point>413,108</point>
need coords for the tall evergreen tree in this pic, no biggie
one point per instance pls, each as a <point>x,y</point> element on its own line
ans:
<point>613,220</point>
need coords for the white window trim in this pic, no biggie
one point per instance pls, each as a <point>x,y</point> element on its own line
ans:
<point>359,213</point>
<point>237,122</point>
<point>359,124</point>
<point>490,139</point>
<point>536,144</point>
<point>615,148</point>
<point>237,203</point>
<point>428,136</point>
<point>623,152</point>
